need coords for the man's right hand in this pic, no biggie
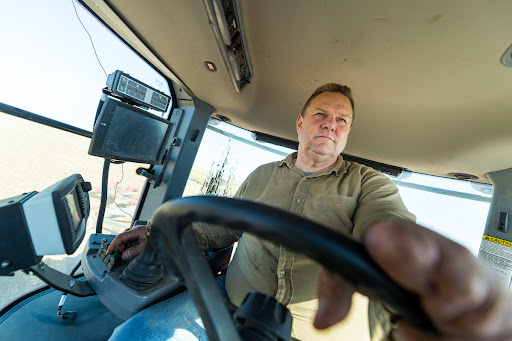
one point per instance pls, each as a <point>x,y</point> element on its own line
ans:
<point>122,242</point>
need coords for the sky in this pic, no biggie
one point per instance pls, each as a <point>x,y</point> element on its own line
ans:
<point>48,66</point>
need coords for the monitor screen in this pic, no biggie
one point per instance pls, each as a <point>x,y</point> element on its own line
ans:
<point>75,215</point>
<point>124,132</point>
<point>72,210</point>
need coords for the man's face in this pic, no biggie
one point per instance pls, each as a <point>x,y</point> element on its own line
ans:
<point>324,129</point>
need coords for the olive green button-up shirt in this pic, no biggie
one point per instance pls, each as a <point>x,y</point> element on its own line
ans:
<point>347,197</point>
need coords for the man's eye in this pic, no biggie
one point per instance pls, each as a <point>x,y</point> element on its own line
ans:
<point>319,114</point>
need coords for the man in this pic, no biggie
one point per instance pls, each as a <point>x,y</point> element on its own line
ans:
<point>315,183</point>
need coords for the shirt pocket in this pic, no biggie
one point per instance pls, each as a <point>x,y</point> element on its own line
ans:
<point>336,212</point>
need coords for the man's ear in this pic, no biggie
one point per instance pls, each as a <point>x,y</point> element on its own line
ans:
<point>299,122</point>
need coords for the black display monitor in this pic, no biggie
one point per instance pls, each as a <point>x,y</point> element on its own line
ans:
<point>64,208</point>
<point>127,133</point>
<point>50,222</point>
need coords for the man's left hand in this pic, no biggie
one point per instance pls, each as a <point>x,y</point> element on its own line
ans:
<point>463,298</point>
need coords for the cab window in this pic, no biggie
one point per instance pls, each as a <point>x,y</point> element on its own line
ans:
<point>228,155</point>
<point>56,75</point>
<point>454,208</point>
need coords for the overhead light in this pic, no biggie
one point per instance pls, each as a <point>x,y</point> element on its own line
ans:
<point>210,65</point>
<point>506,58</point>
<point>226,21</point>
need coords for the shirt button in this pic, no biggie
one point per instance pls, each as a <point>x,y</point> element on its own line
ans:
<point>283,272</point>
<point>298,200</point>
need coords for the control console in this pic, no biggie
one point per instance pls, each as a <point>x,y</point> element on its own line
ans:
<point>104,274</point>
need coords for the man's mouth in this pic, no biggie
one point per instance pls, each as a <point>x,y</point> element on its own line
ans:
<point>325,137</point>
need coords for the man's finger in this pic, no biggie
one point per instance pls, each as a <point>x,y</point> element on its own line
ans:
<point>334,299</point>
<point>134,251</point>
<point>119,240</point>
<point>408,256</point>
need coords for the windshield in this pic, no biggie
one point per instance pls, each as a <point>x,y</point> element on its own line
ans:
<point>228,155</point>
<point>57,62</point>
<point>454,208</point>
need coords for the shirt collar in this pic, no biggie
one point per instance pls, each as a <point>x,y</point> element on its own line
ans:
<point>339,167</point>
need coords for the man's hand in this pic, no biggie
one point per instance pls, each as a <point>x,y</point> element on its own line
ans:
<point>463,299</point>
<point>122,242</point>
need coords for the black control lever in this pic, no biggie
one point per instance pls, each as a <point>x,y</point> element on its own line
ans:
<point>147,173</point>
<point>144,271</point>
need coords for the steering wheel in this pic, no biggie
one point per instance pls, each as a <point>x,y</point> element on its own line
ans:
<point>172,236</point>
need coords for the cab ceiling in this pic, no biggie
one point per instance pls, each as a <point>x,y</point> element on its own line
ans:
<point>431,94</point>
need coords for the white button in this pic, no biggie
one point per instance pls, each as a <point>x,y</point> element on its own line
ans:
<point>298,200</point>
<point>283,272</point>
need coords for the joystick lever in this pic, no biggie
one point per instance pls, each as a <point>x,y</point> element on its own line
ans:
<point>145,270</point>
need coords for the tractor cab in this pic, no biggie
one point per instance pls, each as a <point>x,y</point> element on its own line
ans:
<point>116,114</point>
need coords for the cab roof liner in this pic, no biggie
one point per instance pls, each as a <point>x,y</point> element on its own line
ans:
<point>431,94</point>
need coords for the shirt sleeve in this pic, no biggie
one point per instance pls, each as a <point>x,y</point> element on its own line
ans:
<point>215,236</point>
<point>379,200</point>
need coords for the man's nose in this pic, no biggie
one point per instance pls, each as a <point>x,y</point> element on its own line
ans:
<point>329,123</point>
